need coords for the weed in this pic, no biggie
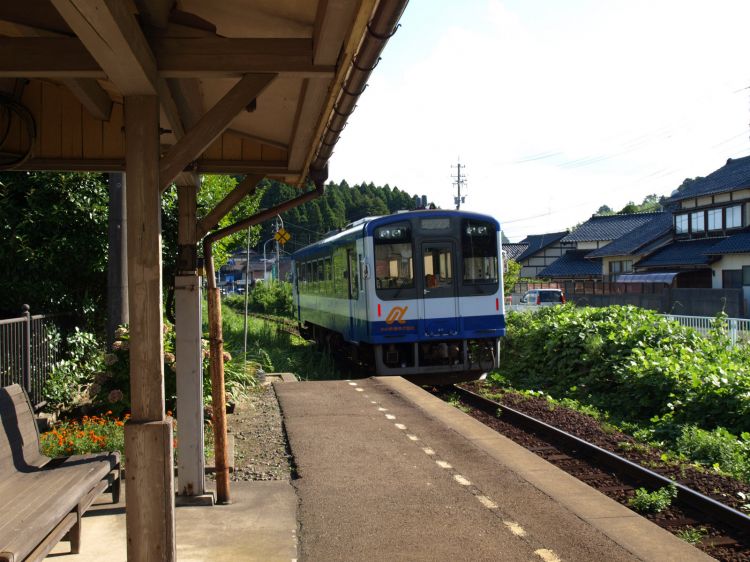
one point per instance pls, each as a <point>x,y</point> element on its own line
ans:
<point>653,502</point>
<point>693,535</point>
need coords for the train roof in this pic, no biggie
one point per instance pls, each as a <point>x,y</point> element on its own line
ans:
<point>367,225</point>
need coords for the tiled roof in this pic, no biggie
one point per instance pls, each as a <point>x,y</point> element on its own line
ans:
<point>537,242</point>
<point>572,264</point>
<point>608,227</point>
<point>735,174</point>
<point>682,252</point>
<point>512,251</point>
<point>737,244</point>
<point>658,226</point>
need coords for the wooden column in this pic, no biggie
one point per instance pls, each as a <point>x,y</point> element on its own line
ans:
<point>148,435</point>
<point>191,483</point>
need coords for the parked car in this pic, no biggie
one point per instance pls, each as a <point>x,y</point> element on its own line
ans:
<point>543,297</point>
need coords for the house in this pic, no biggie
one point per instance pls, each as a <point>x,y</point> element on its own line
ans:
<point>619,256</point>
<point>592,236</point>
<point>541,251</point>
<point>514,250</point>
<point>711,244</point>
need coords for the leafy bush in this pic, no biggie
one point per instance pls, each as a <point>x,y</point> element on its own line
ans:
<point>653,502</point>
<point>718,448</point>
<point>632,363</point>
<point>71,376</point>
<point>273,297</point>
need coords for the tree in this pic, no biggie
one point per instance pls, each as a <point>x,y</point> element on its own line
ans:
<point>604,210</point>
<point>511,276</point>
<point>53,228</point>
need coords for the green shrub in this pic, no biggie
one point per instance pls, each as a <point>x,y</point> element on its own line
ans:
<point>718,448</point>
<point>71,377</point>
<point>653,502</point>
<point>632,363</point>
<point>272,297</point>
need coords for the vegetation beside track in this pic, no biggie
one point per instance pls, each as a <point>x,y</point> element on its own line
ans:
<point>663,383</point>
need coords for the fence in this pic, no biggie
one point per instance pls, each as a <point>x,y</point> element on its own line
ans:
<point>28,350</point>
<point>738,329</point>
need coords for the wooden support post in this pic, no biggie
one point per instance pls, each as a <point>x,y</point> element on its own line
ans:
<point>148,436</point>
<point>191,484</point>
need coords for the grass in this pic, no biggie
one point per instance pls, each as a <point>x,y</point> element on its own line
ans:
<point>271,348</point>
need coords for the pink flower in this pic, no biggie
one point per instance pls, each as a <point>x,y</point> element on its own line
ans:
<point>169,357</point>
<point>115,396</point>
<point>117,345</point>
<point>227,357</point>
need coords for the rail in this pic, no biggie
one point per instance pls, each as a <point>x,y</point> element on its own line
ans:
<point>688,496</point>
<point>28,351</point>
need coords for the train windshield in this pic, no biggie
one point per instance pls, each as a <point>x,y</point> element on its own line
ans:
<point>479,246</point>
<point>394,263</point>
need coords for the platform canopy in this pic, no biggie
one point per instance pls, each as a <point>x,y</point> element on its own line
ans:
<point>166,90</point>
<point>245,86</point>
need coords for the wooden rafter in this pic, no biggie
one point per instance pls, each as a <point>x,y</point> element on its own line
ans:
<point>115,40</point>
<point>211,125</point>
<point>91,95</point>
<point>92,57</point>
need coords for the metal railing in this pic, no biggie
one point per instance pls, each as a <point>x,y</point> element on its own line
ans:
<point>28,351</point>
<point>737,329</point>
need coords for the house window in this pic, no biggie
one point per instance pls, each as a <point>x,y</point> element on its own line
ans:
<point>714,219</point>
<point>746,275</point>
<point>697,220</point>
<point>734,216</point>
<point>681,224</point>
<point>731,279</point>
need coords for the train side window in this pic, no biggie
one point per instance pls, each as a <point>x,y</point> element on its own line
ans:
<point>353,276</point>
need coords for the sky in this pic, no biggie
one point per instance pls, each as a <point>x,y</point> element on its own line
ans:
<point>553,108</point>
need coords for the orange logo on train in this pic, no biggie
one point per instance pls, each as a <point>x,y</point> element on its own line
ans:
<point>397,314</point>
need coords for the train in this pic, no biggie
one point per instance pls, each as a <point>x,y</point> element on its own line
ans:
<point>416,294</point>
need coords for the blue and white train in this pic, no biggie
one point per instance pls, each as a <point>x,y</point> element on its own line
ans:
<point>414,293</point>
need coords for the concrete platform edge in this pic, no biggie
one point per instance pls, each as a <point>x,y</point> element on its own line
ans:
<point>636,534</point>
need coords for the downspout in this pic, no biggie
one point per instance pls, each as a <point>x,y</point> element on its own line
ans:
<point>216,337</point>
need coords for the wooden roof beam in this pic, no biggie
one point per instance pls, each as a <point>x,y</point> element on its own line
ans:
<point>195,57</point>
<point>210,126</point>
<point>92,96</point>
<point>246,187</point>
<point>115,40</point>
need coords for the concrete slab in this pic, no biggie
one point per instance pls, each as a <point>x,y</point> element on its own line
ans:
<point>636,534</point>
<point>260,525</point>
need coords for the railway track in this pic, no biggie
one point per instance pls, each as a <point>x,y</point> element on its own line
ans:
<point>725,531</point>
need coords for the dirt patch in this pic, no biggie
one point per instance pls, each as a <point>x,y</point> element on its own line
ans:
<point>260,447</point>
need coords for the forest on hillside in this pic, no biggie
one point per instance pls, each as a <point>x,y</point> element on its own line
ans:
<point>340,205</point>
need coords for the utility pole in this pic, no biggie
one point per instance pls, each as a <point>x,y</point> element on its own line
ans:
<point>460,181</point>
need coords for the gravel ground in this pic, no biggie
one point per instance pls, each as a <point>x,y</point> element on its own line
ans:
<point>260,447</point>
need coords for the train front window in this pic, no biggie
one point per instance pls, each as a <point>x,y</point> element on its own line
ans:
<point>394,261</point>
<point>479,246</point>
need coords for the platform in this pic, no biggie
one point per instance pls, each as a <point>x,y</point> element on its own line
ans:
<point>387,471</point>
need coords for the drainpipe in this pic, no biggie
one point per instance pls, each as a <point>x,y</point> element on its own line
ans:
<point>216,338</point>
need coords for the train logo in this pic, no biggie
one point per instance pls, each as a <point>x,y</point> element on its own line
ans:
<point>397,314</point>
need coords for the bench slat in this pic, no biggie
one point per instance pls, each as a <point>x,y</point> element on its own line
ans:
<point>40,503</point>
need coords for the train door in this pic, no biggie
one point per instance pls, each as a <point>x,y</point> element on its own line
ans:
<point>353,277</point>
<point>439,307</point>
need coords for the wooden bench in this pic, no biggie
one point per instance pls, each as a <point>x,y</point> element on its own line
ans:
<point>42,500</point>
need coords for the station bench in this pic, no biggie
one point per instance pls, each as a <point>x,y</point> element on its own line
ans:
<point>42,500</point>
